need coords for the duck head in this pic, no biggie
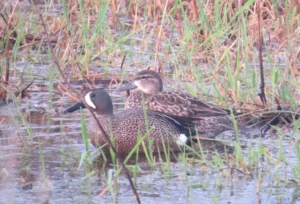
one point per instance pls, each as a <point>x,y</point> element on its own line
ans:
<point>97,100</point>
<point>147,81</point>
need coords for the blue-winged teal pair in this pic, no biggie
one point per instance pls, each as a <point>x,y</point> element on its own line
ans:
<point>168,122</point>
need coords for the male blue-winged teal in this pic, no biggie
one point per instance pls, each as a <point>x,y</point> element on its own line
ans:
<point>127,126</point>
<point>147,88</point>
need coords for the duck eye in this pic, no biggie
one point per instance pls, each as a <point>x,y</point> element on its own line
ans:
<point>92,95</point>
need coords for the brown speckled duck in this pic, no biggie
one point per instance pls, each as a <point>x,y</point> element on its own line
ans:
<point>128,126</point>
<point>147,87</point>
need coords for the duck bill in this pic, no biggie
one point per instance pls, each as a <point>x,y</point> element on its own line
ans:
<point>126,87</point>
<point>75,107</point>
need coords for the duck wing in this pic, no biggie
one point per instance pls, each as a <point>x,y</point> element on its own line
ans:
<point>185,125</point>
<point>183,104</point>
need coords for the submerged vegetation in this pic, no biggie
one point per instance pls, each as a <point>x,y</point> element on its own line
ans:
<point>215,50</point>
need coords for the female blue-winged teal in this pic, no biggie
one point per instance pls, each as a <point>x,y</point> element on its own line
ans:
<point>127,126</point>
<point>147,87</point>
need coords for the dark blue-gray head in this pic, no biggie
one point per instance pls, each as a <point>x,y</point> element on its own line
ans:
<point>147,81</point>
<point>98,100</point>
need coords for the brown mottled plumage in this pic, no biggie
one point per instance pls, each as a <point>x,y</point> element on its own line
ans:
<point>128,126</point>
<point>147,89</point>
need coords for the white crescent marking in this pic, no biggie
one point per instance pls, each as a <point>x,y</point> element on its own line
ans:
<point>88,100</point>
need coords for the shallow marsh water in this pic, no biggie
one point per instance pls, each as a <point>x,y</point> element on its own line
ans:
<point>45,168</point>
